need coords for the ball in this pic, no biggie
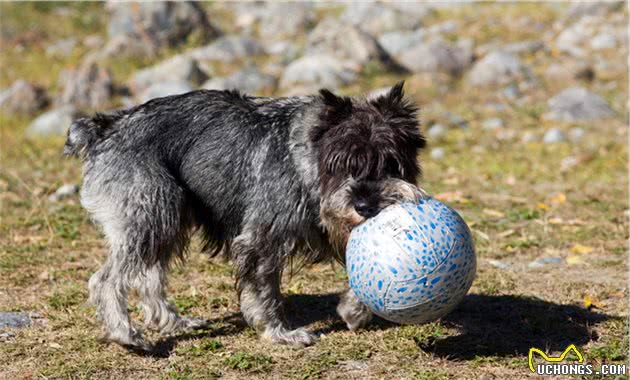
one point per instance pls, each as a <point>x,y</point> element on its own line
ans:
<point>411,263</point>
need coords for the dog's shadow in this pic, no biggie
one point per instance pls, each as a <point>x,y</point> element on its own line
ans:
<point>489,325</point>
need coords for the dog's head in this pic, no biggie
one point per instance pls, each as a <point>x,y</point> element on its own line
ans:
<point>367,152</point>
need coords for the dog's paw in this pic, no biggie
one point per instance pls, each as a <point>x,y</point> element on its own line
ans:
<point>353,312</point>
<point>297,338</point>
<point>131,340</point>
<point>185,325</point>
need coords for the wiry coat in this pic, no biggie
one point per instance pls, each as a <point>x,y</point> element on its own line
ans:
<point>265,179</point>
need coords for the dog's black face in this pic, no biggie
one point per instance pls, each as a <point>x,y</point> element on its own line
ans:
<point>367,156</point>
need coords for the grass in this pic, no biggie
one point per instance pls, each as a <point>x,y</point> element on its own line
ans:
<point>508,193</point>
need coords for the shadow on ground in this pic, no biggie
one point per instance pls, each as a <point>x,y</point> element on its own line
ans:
<point>489,325</point>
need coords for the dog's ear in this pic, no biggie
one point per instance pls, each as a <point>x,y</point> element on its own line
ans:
<point>393,103</point>
<point>336,108</point>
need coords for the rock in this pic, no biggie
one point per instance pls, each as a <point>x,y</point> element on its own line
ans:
<point>125,46</point>
<point>162,89</point>
<point>88,86</point>
<point>228,49</point>
<point>158,24</point>
<point>14,320</point>
<point>511,91</point>
<point>64,191</point>
<point>579,9</point>
<point>248,80</point>
<point>456,120</point>
<point>285,19</point>
<point>570,69</point>
<point>577,104</point>
<point>322,70</point>
<point>436,131</point>
<point>437,153</point>
<point>179,68</point>
<point>497,68</point>
<point>23,98</point>
<point>603,41</point>
<point>539,263</point>
<point>569,163</point>
<point>436,56</point>
<point>377,18</point>
<point>446,27</point>
<point>61,48</point>
<point>343,41</point>
<point>524,47</point>
<point>53,123</point>
<point>286,50</point>
<point>553,136</point>
<point>396,42</point>
<point>576,134</point>
<point>492,124</point>
<point>499,264</point>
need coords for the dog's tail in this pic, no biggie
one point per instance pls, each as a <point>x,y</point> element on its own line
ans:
<point>85,132</point>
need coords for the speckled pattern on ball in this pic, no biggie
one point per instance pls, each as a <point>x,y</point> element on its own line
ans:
<point>412,263</point>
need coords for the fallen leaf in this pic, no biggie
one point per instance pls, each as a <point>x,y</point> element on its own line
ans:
<point>493,213</point>
<point>543,206</point>
<point>556,221</point>
<point>482,235</point>
<point>451,196</point>
<point>505,233</point>
<point>580,249</point>
<point>574,260</point>
<point>558,198</point>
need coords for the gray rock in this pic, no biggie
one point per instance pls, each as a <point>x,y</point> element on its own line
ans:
<point>569,163</point>
<point>285,19</point>
<point>396,42</point>
<point>576,134</point>
<point>377,18</point>
<point>539,263</point>
<point>23,98</point>
<point>179,68</point>
<point>492,124</point>
<point>64,191</point>
<point>437,153</point>
<point>436,131</point>
<point>524,47</point>
<point>511,91</point>
<point>61,48</point>
<point>342,40</point>
<point>496,68</point>
<point>554,136</point>
<point>603,41</point>
<point>456,120</point>
<point>499,264</point>
<point>570,69</point>
<point>14,320</point>
<point>587,8</point>
<point>125,46</point>
<point>446,27</point>
<point>228,49</point>
<point>577,104</point>
<point>88,86</point>
<point>53,123</point>
<point>249,80</point>
<point>322,70</point>
<point>158,24</point>
<point>436,56</point>
<point>158,90</point>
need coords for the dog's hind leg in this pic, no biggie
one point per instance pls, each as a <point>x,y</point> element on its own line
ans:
<point>259,271</point>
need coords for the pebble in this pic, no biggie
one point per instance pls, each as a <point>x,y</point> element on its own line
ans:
<point>499,264</point>
<point>492,124</point>
<point>539,263</point>
<point>554,136</point>
<point>437,153</point>
<point>14,320</point>
<point>576,134</point>
<point>436,131</point>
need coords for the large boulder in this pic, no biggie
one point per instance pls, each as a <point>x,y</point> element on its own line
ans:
<point>158,24</point>
<point>321,70</point>
<point>53,123</point>
<point>497,68</point>
<point>436,56</point>
<point>378,18</point>
<point>249,80</point>
<point>87,86</point>
<point>23,98</point>
<point>228,48</point>
<point>577,104</point>
<point>180,68</point>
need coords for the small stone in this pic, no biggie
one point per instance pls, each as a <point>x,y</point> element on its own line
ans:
<point>436,131</point>
<point>511,91</point>
<point>378,18</point>
<point>14,320</point>
<point>88,86</point>
<point>576,134</point>
<point>499,264</point>
<point>228,49</point>
<point>64,192</point>
<point>577,104</point>
<point>527,47</point>
<point>539,263</point>
<point>436,56</point>
<point>603,41</point>
<point>492,124</point>
<point>497,68</point>
<point>437,153</point>
<point>397,42</point>
<point>179,68</point>
<point>23,98</point>
<point>322,70</point>
<point>554,136</point>
<point>53,123</point>
<point>159,90</point>
<point>456,120</point>
<point>248,80</point>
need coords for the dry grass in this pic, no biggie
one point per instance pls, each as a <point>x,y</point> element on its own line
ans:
<point>508,194</point>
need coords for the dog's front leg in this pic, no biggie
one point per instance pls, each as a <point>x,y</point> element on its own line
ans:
<point>259,272</point>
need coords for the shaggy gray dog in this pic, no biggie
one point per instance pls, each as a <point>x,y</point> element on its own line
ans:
<point>264,179</point>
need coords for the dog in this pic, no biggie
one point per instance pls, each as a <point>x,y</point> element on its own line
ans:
<point>264,179</point>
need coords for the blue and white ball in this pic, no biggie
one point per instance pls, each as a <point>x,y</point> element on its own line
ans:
<point>412,263</point>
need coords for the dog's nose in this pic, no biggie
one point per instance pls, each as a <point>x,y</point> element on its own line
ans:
<point>365,209</point>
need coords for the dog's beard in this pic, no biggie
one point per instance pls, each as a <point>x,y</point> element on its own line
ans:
<point>339,217</point>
